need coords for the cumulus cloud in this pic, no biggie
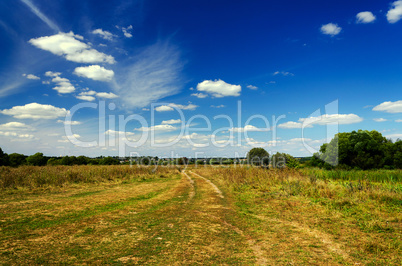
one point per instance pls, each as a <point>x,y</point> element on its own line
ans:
<point>85,98</point>
<point>251,87</point>
<point>157,128</point>
<point>248,128</point>
<point>171,122</point>
<point>171,106</point>
<point>389,107</point>
<point>219,88</point>
<point>164,108</point>
<point>52,74</point>
<point>395,13</point>
<point>94,72</point>
<point>63,85</point>
<point>13,126</point>
<point>35,111</point>
<point>155,74</point>
<point>15,134</point>
<point>71,47</point>
<point>200,95</point>
<point>365,17</point>
<point>127,31</point>
<point>89,95</point>
<point>341,119</point>
<point>106,95</point>
<point>331,29</point>
<point>190,106</point>
<point>290,125</point>
<point>104,34</point>
<point>31,76</point>
<point>73,123</point>
<point>380,119</point>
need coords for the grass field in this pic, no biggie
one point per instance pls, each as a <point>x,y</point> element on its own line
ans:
<point>207,215</point>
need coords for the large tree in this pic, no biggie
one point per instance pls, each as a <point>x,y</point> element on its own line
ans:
<point>258,157</point>
<point>362,149</point>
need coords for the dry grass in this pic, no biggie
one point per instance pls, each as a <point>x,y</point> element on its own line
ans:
<point>305,219</point>
<point>119,215</point>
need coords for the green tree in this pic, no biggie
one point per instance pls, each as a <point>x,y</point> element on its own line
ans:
<point>4,160</point>
<point>359,149</point>
<point>54,161</point>
<point>17,159</point>
<point>281,160</point>
<point>258,157</point>
<point>37,159</point>
<point>109,161</point>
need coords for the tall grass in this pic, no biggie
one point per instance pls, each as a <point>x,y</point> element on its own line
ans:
<point>383,176</point>
<point>34,176</point>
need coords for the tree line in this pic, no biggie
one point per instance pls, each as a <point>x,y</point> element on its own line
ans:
<point>38,159</point>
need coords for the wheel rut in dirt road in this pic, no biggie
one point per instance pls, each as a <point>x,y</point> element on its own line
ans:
<point>210,205</point>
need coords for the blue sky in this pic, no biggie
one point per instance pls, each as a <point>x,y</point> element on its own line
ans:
<point>132,69</point>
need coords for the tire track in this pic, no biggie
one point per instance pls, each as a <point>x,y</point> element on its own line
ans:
<point>257,249</point>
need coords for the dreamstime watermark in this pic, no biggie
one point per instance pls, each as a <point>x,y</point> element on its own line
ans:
<point>188,133</point>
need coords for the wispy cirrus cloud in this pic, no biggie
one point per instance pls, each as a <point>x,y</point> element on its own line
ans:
<point>154,74</point>
<point>40,15</point>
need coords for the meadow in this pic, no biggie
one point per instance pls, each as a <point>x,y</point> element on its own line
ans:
<point>199,215</point>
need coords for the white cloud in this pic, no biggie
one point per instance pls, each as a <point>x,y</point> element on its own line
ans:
<point>398,120</point>
<point>88,92</point>
<point>341,119</point>
<point>31,76</point>
<point>104,34</point>
<point>218,106</point>
<point>283,73</point>
<point>290,125</point>
<point>113,132</point>
<point>63,84</point>
<point>106,95</point>
<point>69,46</point>
<point>52,74</point>
<point>171,122</point>
<point>14,134</point>
<point>219,88</point>
<point>40,15</point>
<point>248,128</point>
<point>127,31</point>
<point>157,128</point>
<point>251,87</point>
<point>94,72</point>
<point>85,98</point>
<point>365,17</point>
<point>73,123</point>
<point>331,29</point>
<point>200,95</point>
<point>389,107</point>
<point>395,13</point>
<point>89,95</point>
<point>155,74</point>
<point>380,119</point>
<point>171,106</point>
<point>164,108</point>
<point>14,126</point>
<point>35,111</point>
<point>190,106</point>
